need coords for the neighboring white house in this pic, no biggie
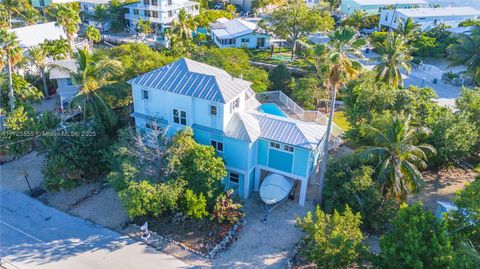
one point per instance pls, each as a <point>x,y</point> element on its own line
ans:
<point>238,33</point>
<point>45,3</point>
<point>429,17</point>
<point>66,89</point>
<point>87,7</point>
<point>376,6</point>
<point>34,35</point>
<point>160,12</point>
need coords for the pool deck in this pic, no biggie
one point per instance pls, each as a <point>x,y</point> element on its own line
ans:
<point>284,109</point>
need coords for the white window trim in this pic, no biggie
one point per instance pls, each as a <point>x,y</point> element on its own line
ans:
<point>230,176</point>
<point>143,96</point>
<point>180,117</point>
<point>216,143</point>
<point>281,148</point>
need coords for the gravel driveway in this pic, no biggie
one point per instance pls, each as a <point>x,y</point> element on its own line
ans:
<point>266,245</point>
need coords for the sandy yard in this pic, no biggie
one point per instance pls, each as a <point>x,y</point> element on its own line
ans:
<point>442,186</point>
<point>266,245</point>
<point>12,172</point>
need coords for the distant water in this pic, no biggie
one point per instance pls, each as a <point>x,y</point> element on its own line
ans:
<point>456,3</point>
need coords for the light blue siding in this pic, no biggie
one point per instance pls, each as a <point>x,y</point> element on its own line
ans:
<point>238,188</point>
<point>250,182</point>
<point>280,160</point>
<point>235,153</point>
<point>300,165</point>
<point>262,152</point>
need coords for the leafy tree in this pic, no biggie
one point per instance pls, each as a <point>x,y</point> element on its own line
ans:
<point>16,121</point>
<point>73,159</point>
<point>341,69</point>
<point>443,37</point>
<point>67,17</point>
<point>332,241</point>
<point>207,16</point>
<point>10,55</point>
<point>308,93</point>
<point>280,78</point>
<point>38,56</point>
<point>116,14</point>
<point>195,205</point>
<point>24,92</point>
<point>144,27</point>
<point>469,22</point>
<point>101,14</point>
<point>395,146</point>
<point>425,46</point>
<point>197,164</point>
<point>467,52</point>
<point>236,62</point>
<point>395,54</point>
<point>469,102</point>
<point>417,240</point>
<point>333,4</point>
<point>351,182</point>
<point>295,21</point>
<point>93,35</point>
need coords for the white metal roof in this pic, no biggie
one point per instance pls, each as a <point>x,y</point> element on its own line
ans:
<point>33,35</point>
<point>60,69</point>
<point>192,78</point>
<point>389,2</point>
<point>232,28</point>
<point>438,12</point>
<point>96,2</point>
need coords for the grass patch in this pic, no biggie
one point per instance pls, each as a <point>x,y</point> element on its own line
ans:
<point>342,122</point>
<point>476,168</point>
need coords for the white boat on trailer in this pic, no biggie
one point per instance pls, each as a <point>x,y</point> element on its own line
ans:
<point>274,190</point>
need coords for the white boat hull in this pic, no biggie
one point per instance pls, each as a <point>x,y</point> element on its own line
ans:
<point>275,188</point>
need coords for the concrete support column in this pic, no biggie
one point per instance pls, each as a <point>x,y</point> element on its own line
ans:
<point>303,191</point>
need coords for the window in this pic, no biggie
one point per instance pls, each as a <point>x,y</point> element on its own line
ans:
<point>154,2</point>
<point>169,2</point>
<point>274,145</point>
<point>287,148</point>
<point>151,125</point>
<point>170,14</point>
<point>145,95</point>
<point>180,117</point>
<point>234,178</point>
<point>42,3</point>
<point>154,14</point>
<point>213,110</point>
<point>69,82</point>
<point>245,40</point>
<point>218,146</point>
<point>234,104</point>
<point>135,12</point>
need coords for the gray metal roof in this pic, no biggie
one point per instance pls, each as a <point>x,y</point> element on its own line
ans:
<point>62,68</point>
<point>192,78</point>
<point>251,125</point>
<point>232,28</point>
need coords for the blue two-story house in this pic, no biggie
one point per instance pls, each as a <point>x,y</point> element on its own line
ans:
<point>223,112</point>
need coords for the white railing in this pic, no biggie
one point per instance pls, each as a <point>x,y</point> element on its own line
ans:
<point>304,115</point>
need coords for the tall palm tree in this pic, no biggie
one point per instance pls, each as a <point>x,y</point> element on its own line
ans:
<point>57,49</point>
<point>408,28</point>
<point>231,9</point>
<point>68,18</point>
<point>13,8</point>
<point>467,52</point>
<point>333,4</point>
<point>10,54</point>
<point>342,68</point>
<point>31,16</point>
<point>93,35</point>
<point>101,14</point>
<point>183,25</point>
<point>395,54</point>
<point>38,56</point>
<point>356,19</point>
<point>91,75</point>
<point>395,146</point>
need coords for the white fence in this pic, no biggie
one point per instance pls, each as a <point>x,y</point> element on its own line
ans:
<point>304,115</point>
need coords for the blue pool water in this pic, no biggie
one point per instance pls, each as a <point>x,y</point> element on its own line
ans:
<point>271,108</point>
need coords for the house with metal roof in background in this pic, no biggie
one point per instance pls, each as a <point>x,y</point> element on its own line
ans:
<point>255,140</point>
<point>46,3</point>
<point>429,17</point>
<point>238,33</point>
<point>60,71</point>
<point>34,35</point>
<point>376,6</point>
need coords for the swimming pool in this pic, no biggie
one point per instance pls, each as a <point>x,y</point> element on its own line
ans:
<point>271,108</point>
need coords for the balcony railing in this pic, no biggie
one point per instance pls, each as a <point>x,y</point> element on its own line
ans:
<point>282,99</point>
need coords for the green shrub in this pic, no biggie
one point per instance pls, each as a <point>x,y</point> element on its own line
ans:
<point>146,199</point>
<point>195,205</point>
<point>417,239</point>
<point>280,78</point>
<point>74,157</point>
<point>226,210</point>
<point>332,241</point>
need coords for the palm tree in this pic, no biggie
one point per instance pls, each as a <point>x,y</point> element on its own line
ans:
<point>356,19</point>
<point>38,56</point>
<point>408,28</point>
<point>93,35</point>
<point>144,27</point>
<point>68,18</point>
<point>13,8</point>
<point>333,4</point>
<point>467,52</point>
<point>57,49</point>
<point>231,9</point>
<point>395,54</point>
<point>91,75</point>
<point>183,25</point>
<point>100,15</point>
<point>11,54</point>
<point>395,146</point>
<point>31,16</point>
<point>342,68</point>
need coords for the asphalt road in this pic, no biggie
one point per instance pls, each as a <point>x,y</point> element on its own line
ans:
<point>33,235</point>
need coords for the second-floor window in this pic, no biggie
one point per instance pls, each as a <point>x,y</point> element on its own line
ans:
<point>234,105</point>
<point>154,14</point>
<point>154,2</point>
<point>218,146</point>
<point>180,117</point>
<point>213,110</point>
<point>69,82</point>
<point>145,95</point>
<point>135,12</point>
<point>170,2</point>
